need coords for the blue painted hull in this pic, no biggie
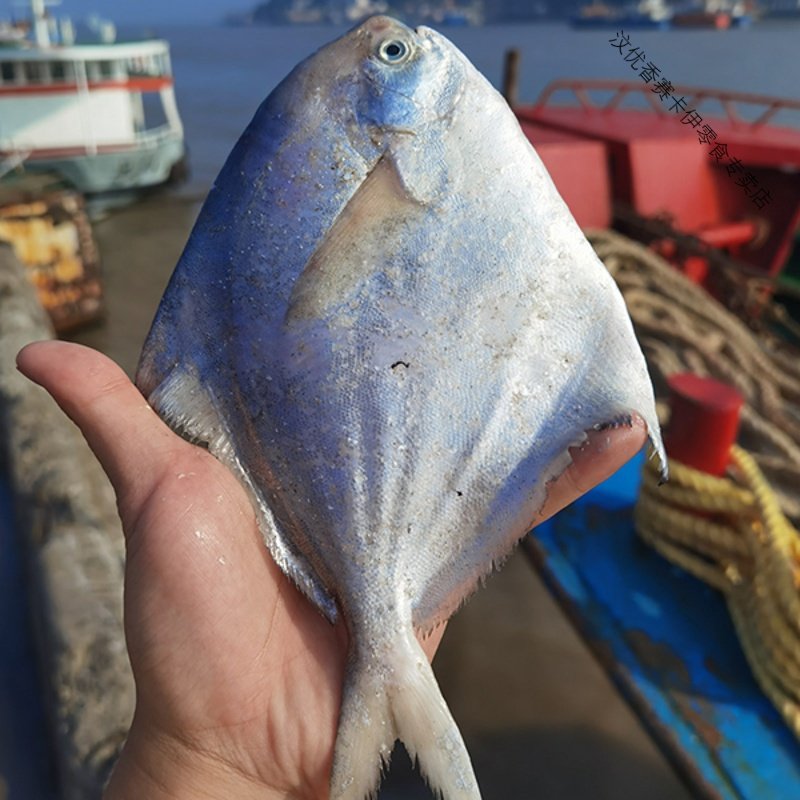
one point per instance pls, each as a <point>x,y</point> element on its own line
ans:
<point>668,642</point>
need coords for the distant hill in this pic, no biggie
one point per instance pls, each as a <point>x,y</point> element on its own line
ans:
<point>279,12</point>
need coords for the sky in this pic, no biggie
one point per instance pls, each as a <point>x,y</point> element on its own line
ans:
<point>143,12</point>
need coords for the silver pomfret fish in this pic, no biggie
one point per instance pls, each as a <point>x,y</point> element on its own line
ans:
<point>389,326</point>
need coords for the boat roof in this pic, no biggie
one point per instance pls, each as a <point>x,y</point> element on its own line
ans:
<point>84,52</point>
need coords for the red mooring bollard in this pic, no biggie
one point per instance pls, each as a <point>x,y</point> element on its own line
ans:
<point>704,422</point>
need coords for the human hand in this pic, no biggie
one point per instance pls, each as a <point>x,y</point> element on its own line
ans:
<point>238,677</point>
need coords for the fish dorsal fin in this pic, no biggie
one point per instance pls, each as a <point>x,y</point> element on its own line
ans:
<point>346,254</point>
<point>188,407</point>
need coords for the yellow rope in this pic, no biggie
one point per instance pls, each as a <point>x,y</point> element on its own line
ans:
<point>730,532</point>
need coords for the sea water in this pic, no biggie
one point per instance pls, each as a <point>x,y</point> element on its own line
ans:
<point>222,74</point>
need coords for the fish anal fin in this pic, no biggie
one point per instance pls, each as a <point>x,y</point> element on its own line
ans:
<point>513,514</point>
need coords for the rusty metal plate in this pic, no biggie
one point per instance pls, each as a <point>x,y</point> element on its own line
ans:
<point>668,643</point>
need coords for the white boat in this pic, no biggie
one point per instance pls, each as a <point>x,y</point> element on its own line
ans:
<point>102,115</point>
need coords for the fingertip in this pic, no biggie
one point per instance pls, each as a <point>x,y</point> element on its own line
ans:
<point>44,362</point>
<point>29,357</point>
<point>605,450</point>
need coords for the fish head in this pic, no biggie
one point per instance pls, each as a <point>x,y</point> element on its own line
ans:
<point>411,79</point>
<point>384,79</point>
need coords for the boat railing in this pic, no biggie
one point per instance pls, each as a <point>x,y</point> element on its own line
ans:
<point>152,137</point>
<point>762,108</point>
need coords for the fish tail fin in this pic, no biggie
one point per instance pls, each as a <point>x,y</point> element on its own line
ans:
<point>398,699</point>
<point>427,729</point>
<point>366,735</point>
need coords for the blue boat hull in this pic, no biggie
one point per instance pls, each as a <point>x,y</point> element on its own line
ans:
<point>669,644</point>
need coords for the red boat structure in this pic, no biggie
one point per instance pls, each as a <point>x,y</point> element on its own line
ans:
<point>710,180</point>
<point>706,177</point>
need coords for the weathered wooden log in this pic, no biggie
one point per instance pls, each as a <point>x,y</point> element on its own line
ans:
<point>67,516</point>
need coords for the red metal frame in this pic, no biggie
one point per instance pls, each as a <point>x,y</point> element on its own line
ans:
<point>695,96</point>
<point>658,166</point>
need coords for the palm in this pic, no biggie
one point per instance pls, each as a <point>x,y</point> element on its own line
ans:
<point>200,583</point>
<point>228,657</point>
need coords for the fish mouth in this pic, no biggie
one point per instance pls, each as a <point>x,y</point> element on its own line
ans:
<point>379,26</point>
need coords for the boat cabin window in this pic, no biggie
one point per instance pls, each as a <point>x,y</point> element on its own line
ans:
<point>7,72</point>
<point>35,71</point>
<point>150,65</point>
<point>59,71</point>
<point>103,70</point>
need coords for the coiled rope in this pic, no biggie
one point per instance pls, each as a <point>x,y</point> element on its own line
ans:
<point>730,533</point>
<point>683,329</point>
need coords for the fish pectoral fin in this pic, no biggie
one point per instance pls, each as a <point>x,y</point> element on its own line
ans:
<point>422,169</point>
<point>190,410</point>
<point>357,240</point>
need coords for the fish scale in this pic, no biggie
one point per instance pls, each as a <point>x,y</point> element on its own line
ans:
<point>388,325</point>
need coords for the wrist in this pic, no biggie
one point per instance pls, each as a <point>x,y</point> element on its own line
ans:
<point>161,768</point>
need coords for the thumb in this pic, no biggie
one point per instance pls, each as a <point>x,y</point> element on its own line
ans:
<point>603,452</point>
<point>132,444</point>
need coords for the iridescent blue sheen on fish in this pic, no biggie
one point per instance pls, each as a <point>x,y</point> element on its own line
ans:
<point>389,326</point>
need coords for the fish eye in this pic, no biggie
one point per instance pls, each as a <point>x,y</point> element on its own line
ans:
<point>393,51</point>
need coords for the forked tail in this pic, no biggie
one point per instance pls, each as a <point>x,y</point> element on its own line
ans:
<point>394,695</point>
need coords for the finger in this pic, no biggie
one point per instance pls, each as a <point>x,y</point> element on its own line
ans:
<point>599,457</point>
<point>133,445</point>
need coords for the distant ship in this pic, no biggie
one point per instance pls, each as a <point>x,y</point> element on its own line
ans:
<point>713,14</point>
<point>784,9</point>
<point>653,14</point>
<point>103,115</point>
<point>350,12</point>
<point>702,19</point>
<point>453,15</point>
